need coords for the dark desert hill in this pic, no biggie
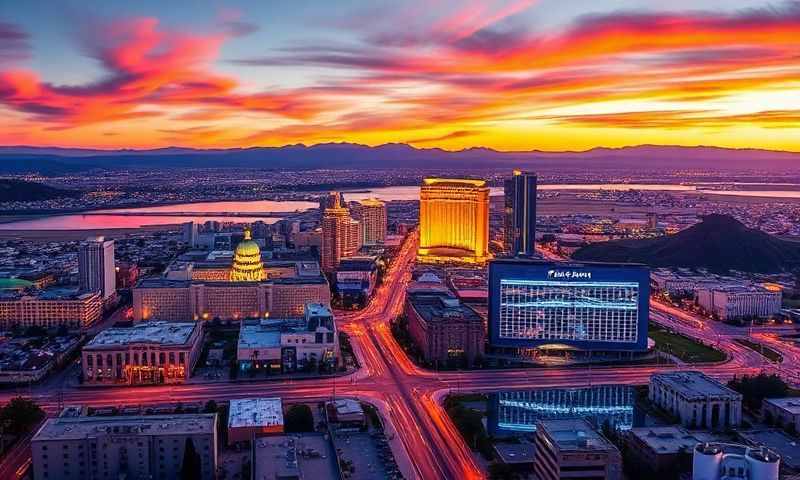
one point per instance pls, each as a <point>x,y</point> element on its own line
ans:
<point>393,155</point>
<point>21,191</point>
<point>719,243</point>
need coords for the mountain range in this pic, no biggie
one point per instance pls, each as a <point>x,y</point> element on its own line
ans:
<point>719,243</point>
<point>55,160</point>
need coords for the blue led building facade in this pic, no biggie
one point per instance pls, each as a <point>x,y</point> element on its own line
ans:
<point>582,306</point>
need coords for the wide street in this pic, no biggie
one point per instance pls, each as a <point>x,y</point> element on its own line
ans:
<point>424,440</point>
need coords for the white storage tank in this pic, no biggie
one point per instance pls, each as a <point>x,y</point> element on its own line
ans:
<point>706,461</point>
<point>764,463</point>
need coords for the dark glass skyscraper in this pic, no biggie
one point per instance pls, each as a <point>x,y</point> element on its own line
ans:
<point>520,211</point>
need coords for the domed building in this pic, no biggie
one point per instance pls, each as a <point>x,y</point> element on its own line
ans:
<point>247,264</point>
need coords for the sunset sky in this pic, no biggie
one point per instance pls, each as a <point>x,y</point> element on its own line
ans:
<point>511,75</point>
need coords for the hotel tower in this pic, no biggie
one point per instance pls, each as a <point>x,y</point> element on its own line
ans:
<point>341,235</point>
<point>453,220</point>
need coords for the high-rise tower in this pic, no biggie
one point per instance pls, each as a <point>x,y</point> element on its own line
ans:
<point>341,235</point>
<point>453,220</point>
<point>96,267</point>
<point>520,214</point>
<point>371,213</point>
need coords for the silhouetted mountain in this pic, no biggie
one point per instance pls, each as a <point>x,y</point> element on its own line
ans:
<point>49,160</point>
<point>21,191</point>
<point>719,243</point>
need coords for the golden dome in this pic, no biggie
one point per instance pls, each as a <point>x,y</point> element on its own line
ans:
<point>247,265</point>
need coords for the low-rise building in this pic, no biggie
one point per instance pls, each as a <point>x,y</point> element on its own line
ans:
<point>658,450</point>
<point>345,411</point>
<point>254,417</point>
<point>146,353</point>
<point>743,301</point>
<point>725,461</point>
<point>696,399</point>
<point>443,328</point>
<point>50,308</point>
<point>296,457</point>
<point>288,344</point>
<point>782,412</point>
<point>22,362</point>
<point>140,446</point>
<point>356,278</point>
<point>571,448</point>
<point>182,300</point>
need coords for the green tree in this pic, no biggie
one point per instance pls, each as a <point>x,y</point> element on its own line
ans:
<point>191,468</point>
<point>20,414</point>
<point>298,419</point>
<point>756,388</point>
<point>211,407</point>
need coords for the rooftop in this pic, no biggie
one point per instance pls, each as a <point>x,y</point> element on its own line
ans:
<point>255,412</point>
<point>298,456</point>
<point>163,333</point>
<point>670,439</point>
<point>458,182</point>
<point>82,427</point>
<point>574,434</point>
<point>259,335</point>
<point>790,404</point>
<point>694,385</point>
<point>435,307</point>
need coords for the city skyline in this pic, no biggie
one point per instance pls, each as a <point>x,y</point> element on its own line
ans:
<point>514,75</point>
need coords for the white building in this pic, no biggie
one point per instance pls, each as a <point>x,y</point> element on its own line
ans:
<point>96,267</point>
<point>137,446</point>
<point>254,417</point>
<point>782,411</point>
<point>696,399</point>
<point>727,303</point>
<point>722,461</point>
<point>288,344</point>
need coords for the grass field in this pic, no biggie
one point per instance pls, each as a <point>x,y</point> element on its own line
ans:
<point>760,348</point>
<point>683,347</point>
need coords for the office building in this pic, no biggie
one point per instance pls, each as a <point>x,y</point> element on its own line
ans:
<point>136,447</point>
<point>571,448</point>
<point>371,214</point>
<point>520,214</point>
<point>247,264</point>
<point>356,278</point>
<point>189,234</point>
<point>520,411</point>
<point>561,305</point>
<point>444,329</point>
<point>146,353</point>
<point>96,271</point>
<point>341,235</point>
<point>724,461</point>
<point>285,345</point>
<point>249,418</point>
<point>662,450</point>
<point>742,301</point>
<point>696,399</point>
<point>453,220</point>
<point>50,308</point>
<point>782,412</point>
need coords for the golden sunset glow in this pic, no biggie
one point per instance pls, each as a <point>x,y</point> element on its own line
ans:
<point>506,75</point>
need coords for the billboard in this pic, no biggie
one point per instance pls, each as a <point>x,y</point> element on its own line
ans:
<point>585,306</point>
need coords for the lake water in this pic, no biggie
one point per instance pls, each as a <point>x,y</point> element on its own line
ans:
<point>173,214</point>
<point>205,211</point>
